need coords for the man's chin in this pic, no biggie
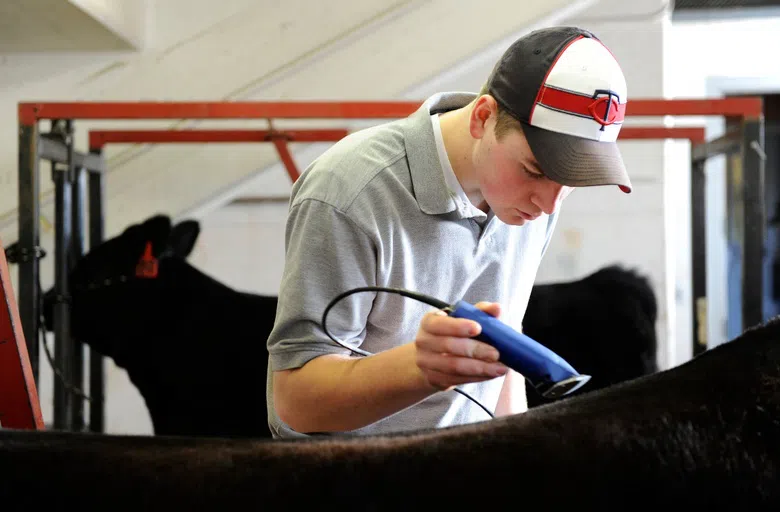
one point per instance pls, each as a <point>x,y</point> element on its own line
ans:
<point>513,219</point>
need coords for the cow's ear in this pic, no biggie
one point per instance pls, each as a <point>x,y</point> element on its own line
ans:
<point>155,230</point>
<point>183,238</point>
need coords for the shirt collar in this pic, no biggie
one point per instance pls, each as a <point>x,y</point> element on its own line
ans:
<point>430,188</point>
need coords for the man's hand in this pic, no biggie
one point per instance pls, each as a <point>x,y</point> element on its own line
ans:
<point>447,356</point>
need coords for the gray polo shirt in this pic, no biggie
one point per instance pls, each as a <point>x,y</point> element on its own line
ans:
<point>380,209</point>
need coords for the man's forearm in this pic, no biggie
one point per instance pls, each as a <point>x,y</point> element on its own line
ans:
<point>512,399</point>
<point>336,393</point>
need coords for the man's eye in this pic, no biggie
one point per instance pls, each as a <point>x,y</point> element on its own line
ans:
<point>532,174</point>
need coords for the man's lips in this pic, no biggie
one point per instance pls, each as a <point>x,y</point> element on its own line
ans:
<point>527,216</point>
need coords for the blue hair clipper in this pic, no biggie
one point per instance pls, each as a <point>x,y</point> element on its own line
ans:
<point>547,372</point>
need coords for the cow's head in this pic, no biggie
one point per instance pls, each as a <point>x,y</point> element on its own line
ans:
<point>180,335</point>
<point>110,285</point>
<point>135,254</point>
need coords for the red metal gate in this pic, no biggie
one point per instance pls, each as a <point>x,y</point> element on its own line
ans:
<point>19,405</point>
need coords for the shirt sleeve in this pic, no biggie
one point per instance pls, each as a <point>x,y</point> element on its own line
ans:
<point>327,254</point>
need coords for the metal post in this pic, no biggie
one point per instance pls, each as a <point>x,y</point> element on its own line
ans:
<point>63,344</point>
<point>29,239</point>
<point>75,253</point>
<point>699,255</point>
<point>753,158</point>
<point>96,360</point>
<point>63,412</point>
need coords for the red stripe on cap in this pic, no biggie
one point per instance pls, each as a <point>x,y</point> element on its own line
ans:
<point>540,93</point>
<point>604,108</point>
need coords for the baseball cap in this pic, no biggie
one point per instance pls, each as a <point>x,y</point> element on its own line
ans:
<point>568,91</point>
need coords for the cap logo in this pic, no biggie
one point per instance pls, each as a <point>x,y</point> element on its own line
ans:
<point>583,93</point>
<point>606,109</point>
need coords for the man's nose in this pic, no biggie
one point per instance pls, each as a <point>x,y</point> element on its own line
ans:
<point>550,200</point>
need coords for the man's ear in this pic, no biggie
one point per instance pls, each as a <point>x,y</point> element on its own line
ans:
<point>479,118</point>
<point>183,237</point>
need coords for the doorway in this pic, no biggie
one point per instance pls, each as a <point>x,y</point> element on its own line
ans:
<point>734,220</point>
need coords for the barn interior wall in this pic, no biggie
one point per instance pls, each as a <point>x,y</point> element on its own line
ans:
<point>227,51</point>
<point>129,20</point>
<point>242,244</point>
<point>711,58</point>
<point>597,227</point>
<point>238,244</point>
<point>648,230</point>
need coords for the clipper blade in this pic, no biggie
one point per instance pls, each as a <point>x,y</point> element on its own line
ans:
<point>563,387</point>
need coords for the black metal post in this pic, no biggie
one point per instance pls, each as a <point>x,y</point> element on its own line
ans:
<point>76,251</point>
<point>753,159</point>
<point>96,360</point>
<point>63,345</point>
<point>29,239</point>
<point>63,413</point>
<point>699,255</point>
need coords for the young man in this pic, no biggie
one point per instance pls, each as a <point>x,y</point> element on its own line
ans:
<point>457,201</point>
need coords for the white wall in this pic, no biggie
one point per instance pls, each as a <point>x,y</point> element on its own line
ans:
<point>243,245</point>
<point>649,229</point>
<point>127,19</point>
<point>235,50</point>
<point>602,226</point>
<point>598,226</point>
<point>710,59</point>
<point>227,51</point>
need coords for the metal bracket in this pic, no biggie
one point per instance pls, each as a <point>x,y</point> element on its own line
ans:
<point>14,254</point>
<point>755,146</point>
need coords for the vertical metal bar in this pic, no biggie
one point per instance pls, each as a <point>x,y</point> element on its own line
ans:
<point>76,250</point>
<point>63,351</point>
<point>96,360</point>
<point>29,239</point>
<point>753,158</point>
<point>699,255</point>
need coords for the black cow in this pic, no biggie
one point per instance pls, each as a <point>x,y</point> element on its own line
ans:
<point>703,434</point>
<point>604,325</point>
<point>195,349</point>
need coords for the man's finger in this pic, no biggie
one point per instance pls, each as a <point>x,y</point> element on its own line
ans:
<point>441,324</point>
<point>491,308</point>
<point>459,366</point>
<point>462,347</point>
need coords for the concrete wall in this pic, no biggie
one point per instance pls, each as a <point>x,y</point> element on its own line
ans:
<point>597,227</point>
<point>243,245</point>
<point>129,20</point>
<point>649,229</point>
<point>602,226</point>
<point>714,58</point>
<point>227,51</point>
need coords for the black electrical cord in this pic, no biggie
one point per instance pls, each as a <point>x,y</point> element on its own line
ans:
<point>427,299</point>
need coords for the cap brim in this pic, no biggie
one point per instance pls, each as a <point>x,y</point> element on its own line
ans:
<point>576,161</point>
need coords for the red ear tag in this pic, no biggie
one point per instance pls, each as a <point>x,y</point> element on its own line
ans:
<point>147,266</point>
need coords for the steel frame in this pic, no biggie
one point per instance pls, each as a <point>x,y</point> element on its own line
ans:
<point>280,138</point>
<point>57,147</point>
